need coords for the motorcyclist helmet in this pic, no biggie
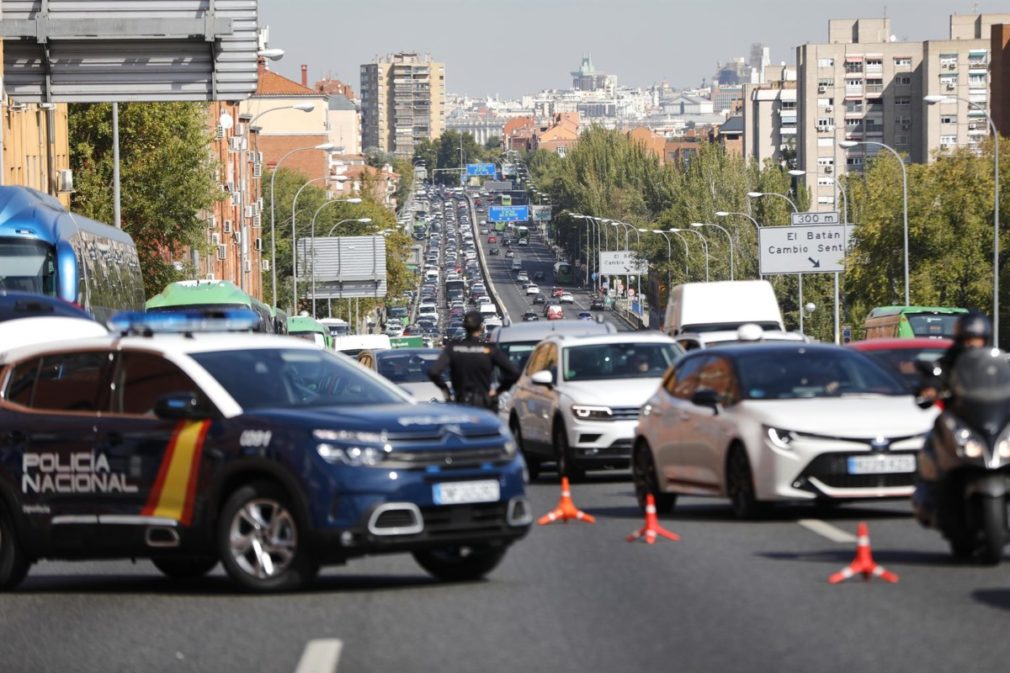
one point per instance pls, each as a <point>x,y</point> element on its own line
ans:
<point>973,324</point>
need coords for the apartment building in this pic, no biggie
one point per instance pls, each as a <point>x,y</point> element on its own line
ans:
<point>234,243</point>
<point>402,102</point>
<point>863,85</point>
<point>769,116</point>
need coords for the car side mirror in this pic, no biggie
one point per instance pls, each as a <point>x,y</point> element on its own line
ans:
<point>180,406</point>
<point>543,378</point>
<point>706,397</point>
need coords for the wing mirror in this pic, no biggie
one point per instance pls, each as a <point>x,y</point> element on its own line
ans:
<point>180,406</point>
<point>543,378</point>
<point>706,397</point>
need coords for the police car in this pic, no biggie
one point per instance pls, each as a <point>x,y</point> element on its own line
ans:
<point>265,453</point>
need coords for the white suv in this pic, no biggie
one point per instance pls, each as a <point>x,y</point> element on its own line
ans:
<point>577,401</point>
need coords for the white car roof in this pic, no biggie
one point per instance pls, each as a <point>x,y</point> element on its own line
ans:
<point>46,329</point>
<point>618,338</point>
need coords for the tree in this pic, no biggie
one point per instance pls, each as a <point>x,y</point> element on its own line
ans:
<point>167,177</point>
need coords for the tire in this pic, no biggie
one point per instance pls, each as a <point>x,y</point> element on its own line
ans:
<point>994,529</point>
<point>14,564</point>
<point>252,513</point>
<point>740,485</point>
<point>184,568</point>
<point>563,454</point>
<point>646,480</point>
<point>532,463</point>
<point>460,563</point>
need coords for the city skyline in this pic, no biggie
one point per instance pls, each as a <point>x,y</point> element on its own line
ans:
<point>663,46</point>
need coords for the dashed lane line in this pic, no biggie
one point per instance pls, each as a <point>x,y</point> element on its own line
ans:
<point>320,656</point>
<point>825,529</point>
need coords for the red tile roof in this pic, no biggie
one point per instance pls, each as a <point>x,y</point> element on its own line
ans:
<point>272,84</point>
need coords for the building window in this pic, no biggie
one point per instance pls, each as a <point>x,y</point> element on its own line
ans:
<point>853,106</point>
<point>903,80</point>
<point>901,139</point>
<point>978,57</point>
<point>947,142</point>
<point>977,79</point>
<point>825,181</point>
<point>874,65</point>
<point>825,161</point>
<point>948,119</point>
<point>825,85</point>
<point>902,101</point>
<point>826,63</point>
<point>874,86</point>
<point>853,124</point>
<point>853,66</point>
<point>948,62</point>
<point>825,125</point>
<point>788,105</point>
<point>854,162</point>
<point>826,200</point>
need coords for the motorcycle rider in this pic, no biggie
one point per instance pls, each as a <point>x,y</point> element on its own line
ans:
<point>973,330</point>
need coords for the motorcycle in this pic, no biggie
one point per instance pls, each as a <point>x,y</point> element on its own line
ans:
<point>963,477</point>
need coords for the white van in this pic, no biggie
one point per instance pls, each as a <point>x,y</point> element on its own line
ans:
<point>721,306</point>
<point>355,343</point>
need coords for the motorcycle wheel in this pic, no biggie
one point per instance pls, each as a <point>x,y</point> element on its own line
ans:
<point>994,530</point>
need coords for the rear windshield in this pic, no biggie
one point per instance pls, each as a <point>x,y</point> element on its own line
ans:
<point>933,325</point>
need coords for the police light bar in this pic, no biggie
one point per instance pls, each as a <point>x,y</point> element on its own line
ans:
<point>184,321</point>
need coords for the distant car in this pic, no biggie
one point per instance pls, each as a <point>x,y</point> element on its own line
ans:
<point>530,316</point>
<point>522,275</point>
<point>524,241</point>
<point>532,289</point>
<point>538,275</point>
<point>492,239</point>
<point>510,254</point>
<point>899,356</point>
<point>558,291</point>
<point>539,299</point>
<point>555,312</point>
<point>566,298</point>
<point>585,315</point>
<point>598,304</point>
<point>493,251</point>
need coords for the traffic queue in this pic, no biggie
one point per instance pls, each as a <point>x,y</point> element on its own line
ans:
<point>182,436</point>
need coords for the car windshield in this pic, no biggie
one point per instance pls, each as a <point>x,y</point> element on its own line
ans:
<point>518,351</point>
<point>901,361</point>
<point>806,373</point>
<point>407,367</point>
<point>280,378</point>
<point>617,361</point>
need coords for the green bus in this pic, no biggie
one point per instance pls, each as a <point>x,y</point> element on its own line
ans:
<point>907,322</point>
<point>563,273</point>
<point>304,327</point>
<point>210,295</point>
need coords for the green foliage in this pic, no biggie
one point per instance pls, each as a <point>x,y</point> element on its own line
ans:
<point>405,170</point>
<point>444,153</point>
<point>167,176</point>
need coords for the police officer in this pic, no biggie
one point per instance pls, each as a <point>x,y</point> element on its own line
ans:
<point>471,363</point>
<point>973,330</point>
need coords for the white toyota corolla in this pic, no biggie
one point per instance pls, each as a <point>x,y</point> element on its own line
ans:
<point>777,422</point>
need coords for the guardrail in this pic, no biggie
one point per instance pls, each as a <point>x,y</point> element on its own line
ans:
<point>502,311</point>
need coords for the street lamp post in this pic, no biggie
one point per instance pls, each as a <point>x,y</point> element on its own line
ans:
<point>724,213</point>
<point>932,100</point>
<point>669,255</point>
<point>729,237</point>
<point>757,195</point>
<point>704,245</point>
<point>326,147</point>
<point>849,144</point>
<point>638,241</point>
<point>312,243</point>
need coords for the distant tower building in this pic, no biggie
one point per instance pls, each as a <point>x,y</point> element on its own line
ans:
<point>760,58</point>
<point>402,102</point>
<point>586,79</point>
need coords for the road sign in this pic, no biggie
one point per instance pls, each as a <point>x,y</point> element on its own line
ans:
<point>541,213</point>
<point>481,169</point>
<point>508,213</point>
<point>815,218</point>
<point>818,248</point>
<point>622,263</point>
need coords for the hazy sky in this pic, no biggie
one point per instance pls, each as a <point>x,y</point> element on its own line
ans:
<point>513,47</point>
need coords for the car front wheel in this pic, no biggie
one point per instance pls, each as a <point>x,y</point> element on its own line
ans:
<point>740,485</point>
<point>14,564</point>
<point>260,540</point>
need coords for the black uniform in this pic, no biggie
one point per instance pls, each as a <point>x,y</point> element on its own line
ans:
<point>471,363</point>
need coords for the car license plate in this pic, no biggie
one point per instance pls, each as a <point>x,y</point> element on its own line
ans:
<point>465,492</point>
<point>881,464</point>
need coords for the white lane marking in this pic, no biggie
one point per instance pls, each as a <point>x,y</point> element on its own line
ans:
<point>825,529</point>
<point>320,656</point>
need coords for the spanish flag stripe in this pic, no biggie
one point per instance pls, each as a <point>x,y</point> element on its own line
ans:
<point>194,477</point>
<point>173,492</point>
<point>159,482</point>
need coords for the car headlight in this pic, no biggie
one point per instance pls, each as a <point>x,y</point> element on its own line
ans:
<point>592,413</point>
<point>358,449</point>
<point>782,439</point>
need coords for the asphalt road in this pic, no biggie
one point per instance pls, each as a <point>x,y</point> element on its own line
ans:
<point>570,597</point>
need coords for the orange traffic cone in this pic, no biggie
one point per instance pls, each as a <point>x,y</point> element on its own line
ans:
<point>652,527</point>
<point>566,509</point>
<point>863,563</point>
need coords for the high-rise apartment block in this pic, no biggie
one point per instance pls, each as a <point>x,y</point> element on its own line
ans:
<point>769,116</point>
<point>863,85</point>
<point>402,102</point>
